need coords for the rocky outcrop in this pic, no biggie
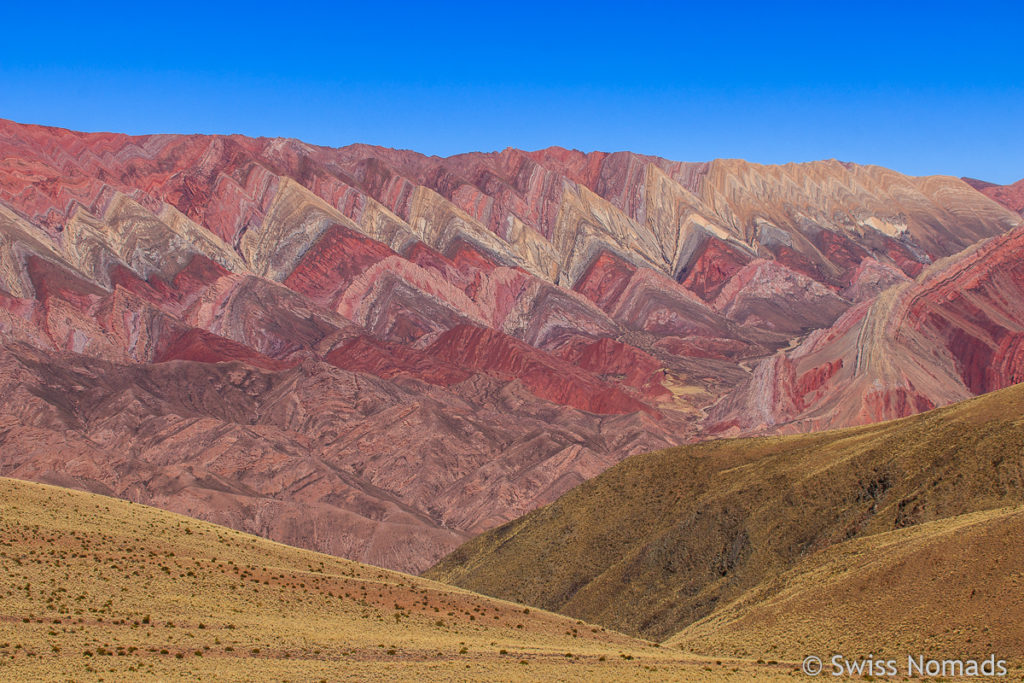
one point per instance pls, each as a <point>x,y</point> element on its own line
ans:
<point>765,294</point>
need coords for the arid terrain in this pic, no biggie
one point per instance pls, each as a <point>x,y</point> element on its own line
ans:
<point>379,354</point>
<point>891,539</point>
<point>631,418</point>
<point>95,588</point>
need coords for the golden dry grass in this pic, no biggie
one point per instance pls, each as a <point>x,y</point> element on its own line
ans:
<point>666,539</point>
<point>949,588</point>
<point>97,588</point>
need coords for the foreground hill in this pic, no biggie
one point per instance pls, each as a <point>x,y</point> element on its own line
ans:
<point>94,587</point>
<point>378,354</point>
<point>774,546</point>
<point>954,586</point>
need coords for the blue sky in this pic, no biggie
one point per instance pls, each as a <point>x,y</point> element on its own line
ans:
<point>923,88</point>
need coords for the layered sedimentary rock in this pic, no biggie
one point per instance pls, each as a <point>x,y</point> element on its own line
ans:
<point>474,334</point>
<point>1010,196</point>
<point>954,332</point>
<point>312,455</point>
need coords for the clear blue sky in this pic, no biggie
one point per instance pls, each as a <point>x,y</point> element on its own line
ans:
<point>920,87</point>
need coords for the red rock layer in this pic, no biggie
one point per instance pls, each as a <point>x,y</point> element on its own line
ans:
<point>202,346</point>
<point>312,455</point>
<point>957,331</point>
<point>477,348</point>
<point>715,266</point>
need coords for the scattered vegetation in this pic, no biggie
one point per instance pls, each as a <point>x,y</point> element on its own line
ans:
<point>670,539</point>
<point>96,588</point>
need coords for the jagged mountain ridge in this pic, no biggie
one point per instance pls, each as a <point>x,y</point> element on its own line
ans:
<point>539,315</point>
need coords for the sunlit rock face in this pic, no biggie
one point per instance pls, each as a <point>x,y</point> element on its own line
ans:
<point>377,353</point>
<point>955,331</point>
<point>1011,196</point>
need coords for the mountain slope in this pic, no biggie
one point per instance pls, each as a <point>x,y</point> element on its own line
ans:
<point>423,348</point>
<point>99,588</point>
<point>1011,196</point>
<point>955,331</point>
<point>313,455</point>
<point>665,539</point>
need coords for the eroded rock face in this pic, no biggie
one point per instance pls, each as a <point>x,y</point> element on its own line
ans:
<point>1010,196</point>
<point>375,353</point>
<point>954,332</point>
<point>312,456</point>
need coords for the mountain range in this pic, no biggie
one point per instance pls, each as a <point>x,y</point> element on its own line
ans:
<point>380,354</point>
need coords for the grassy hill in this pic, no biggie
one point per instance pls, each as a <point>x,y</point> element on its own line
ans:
<point>100,589</point>
<point>735,539</point>
<point>953,587</point>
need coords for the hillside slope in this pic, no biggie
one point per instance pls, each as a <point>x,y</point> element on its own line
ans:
<point>376,353</point>
<point>952,586</point>
<point>1011,196</point>
<point>392,472</point>
<point>97,588</point>
<point>666,539</point>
